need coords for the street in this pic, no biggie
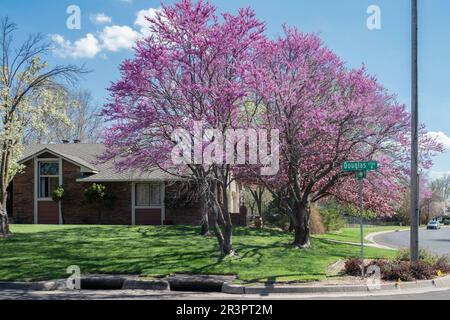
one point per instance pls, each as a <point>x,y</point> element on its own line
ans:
<point>167,295</point>
<point>436,241</point>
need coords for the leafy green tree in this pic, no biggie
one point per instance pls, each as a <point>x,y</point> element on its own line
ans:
<point>30,92</point>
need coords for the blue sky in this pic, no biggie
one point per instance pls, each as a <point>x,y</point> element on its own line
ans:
<point>109,27</point>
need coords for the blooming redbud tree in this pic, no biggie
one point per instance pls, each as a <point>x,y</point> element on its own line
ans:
<point>326,115</point>
<point>189,70</point>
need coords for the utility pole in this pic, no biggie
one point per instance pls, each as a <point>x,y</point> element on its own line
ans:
<point>415,219</point>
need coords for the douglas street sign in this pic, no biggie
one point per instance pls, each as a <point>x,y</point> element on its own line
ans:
<point>355,166</point>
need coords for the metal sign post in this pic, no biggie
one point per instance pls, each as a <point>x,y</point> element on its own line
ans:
<point>361,176</point>
<point>361,169</point>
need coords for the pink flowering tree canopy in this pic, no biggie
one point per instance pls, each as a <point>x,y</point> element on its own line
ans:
<point>327,115</point>
<point>190,70</point>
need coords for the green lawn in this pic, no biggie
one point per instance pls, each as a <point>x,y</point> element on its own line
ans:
<point>353,234</point>
<point>44,252</point>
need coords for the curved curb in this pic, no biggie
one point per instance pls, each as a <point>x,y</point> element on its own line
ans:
<point>371,238</point>
<point>366,245</point>
<point>279,289</point>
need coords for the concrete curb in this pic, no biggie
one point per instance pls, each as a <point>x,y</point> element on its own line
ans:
<point>367,245</point>
<point>278,289</point>
<point>91,283</point>
<point>371,237</point>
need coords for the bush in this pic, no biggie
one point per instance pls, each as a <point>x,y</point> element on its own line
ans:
<point>424,256</point>
<point>97,194</point>
<point>317,225</point>
<point>58,194</point>
<point>429,267</point>
<point>332,218</point>
<point>353,267</point>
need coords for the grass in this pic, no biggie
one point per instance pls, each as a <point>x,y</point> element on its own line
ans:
<point>353,234</point>
<point>44,252</point>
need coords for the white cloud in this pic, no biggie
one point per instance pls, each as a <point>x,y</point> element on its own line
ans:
<point>86,47</point>
<point>100,18</point>
<point>111,38</point>
<point>115,38</point>
<point>142,22</point>
<point>441,137</point>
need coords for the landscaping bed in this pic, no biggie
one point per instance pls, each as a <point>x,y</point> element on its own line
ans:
<point>399,269</point>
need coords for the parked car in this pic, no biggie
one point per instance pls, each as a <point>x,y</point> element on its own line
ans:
<point>433,225</point>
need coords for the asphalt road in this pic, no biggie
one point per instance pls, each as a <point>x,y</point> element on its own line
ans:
<point>436,241</point>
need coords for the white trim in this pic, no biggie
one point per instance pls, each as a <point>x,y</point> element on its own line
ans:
<point>163,203</point>
<point>133,207</point>
<point>36,190</point>
<point>37,181</point>
<point>58,156</point>
<point>60,183</point>
<point>39,176</point>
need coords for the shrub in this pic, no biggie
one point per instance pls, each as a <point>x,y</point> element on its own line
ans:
<point>353,267</point>
<point>317,225</point>
<point>422,271</point>
<point>442,265</point>
<point>332,218</point>
<point>97,195</point>
<point>427,268</point>
<point>58,194</point>
<point>424,256</point>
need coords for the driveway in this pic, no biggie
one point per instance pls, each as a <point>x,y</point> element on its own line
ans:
<point>436,241</point>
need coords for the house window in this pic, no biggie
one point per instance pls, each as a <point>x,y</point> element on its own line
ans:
<point>148,195</point>
<point>48,179</point>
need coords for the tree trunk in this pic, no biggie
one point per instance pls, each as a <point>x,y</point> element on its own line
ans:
<point>302,226</point>
<point>223,227</point>
<point>4,223</point>
<point>291,224</point>
<point>259,207</point>
<point>205,219</point>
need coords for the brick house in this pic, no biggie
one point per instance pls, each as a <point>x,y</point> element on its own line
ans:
<point>139,196</point>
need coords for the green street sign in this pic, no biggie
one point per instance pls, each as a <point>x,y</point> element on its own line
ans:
<point>355,166</point>
<point>361,175</point>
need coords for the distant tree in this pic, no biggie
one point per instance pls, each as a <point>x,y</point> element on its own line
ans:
<point>441,190</point>
<point>30,94</point>
<point>84,123</point>
<point>257,199</point>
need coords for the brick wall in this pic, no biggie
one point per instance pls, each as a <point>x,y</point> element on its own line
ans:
<point>23,195</point>
<point>76,210</point>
